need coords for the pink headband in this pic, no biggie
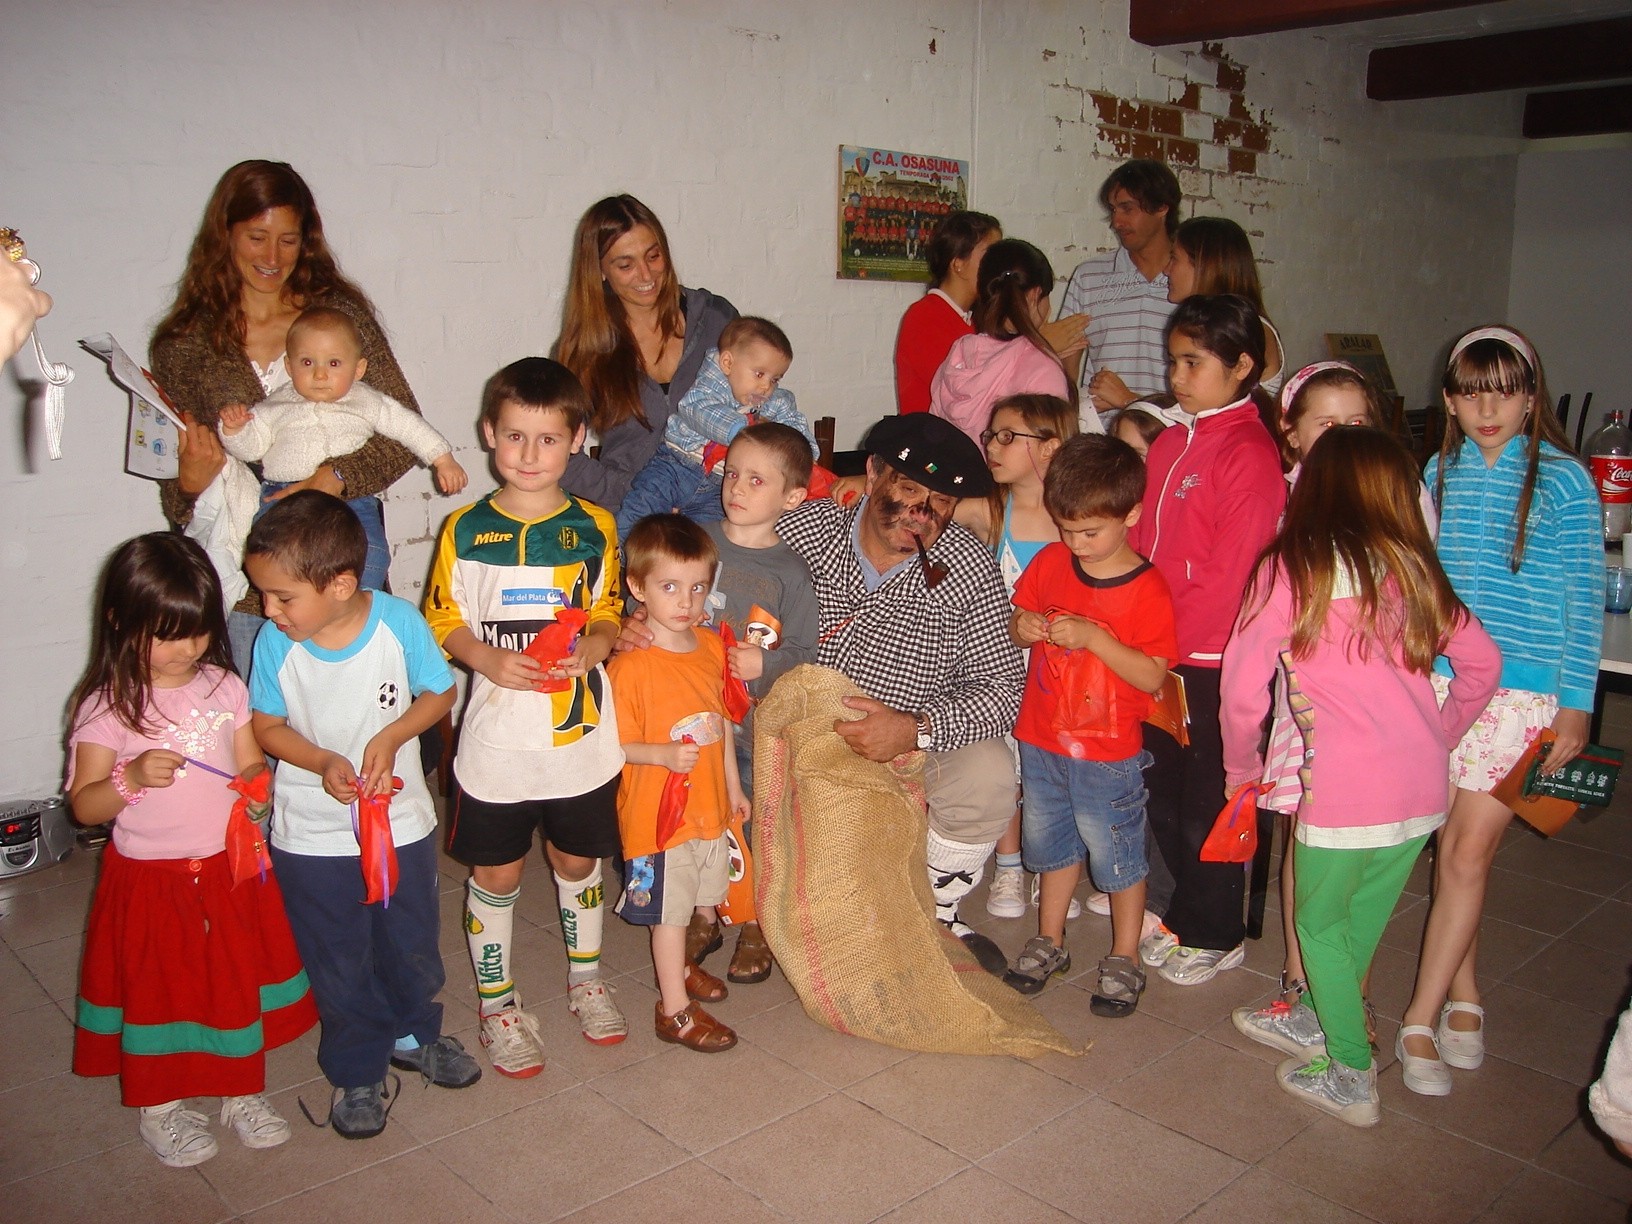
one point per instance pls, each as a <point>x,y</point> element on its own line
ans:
<point>1507,336</point>
<point>1295,383</point>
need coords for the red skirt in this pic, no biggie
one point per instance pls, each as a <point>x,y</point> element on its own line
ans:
<point>186,981</point>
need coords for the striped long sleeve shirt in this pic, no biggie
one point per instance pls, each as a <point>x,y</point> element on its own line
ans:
<point>1548,618</point>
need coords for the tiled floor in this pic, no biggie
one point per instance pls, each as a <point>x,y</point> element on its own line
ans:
<point>1170,1116</point>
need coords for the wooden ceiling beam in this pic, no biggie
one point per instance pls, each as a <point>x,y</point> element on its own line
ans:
<point>1163,23</point>
<point>1578,112</point>
<point>1519,59</point>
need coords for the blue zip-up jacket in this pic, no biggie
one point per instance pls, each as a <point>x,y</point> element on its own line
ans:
<point>1549,617</point>
<point>709,412</point>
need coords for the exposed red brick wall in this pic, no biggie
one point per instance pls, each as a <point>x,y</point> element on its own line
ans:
<point>1204,124</point>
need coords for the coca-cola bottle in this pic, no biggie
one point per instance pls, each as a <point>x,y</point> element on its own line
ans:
<point>1609,455</point>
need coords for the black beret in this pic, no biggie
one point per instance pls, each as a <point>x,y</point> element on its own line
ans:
<point>933,452</point>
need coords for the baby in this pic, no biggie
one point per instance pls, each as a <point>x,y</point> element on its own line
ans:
<point>326,410</point>
<point>738,385</point>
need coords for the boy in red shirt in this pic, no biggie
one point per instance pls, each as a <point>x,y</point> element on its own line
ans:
<point>1099,623</point>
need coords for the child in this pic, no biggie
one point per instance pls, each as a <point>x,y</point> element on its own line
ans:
<point>671,715</point>
<point>326,410</point>
<point>1138,428</point>
<point>532,761</point>
<point>1020,440</point>
<point>1351,603</point>
<point>1212,502</point>
<point>1007,355</point>
<point>738,384</point>
<point>1520,537</point>
<point>187,980</point>
<point>344,680</point>
<point>1318,398</point>
<point>1105,620</point>
<point>762,590</point>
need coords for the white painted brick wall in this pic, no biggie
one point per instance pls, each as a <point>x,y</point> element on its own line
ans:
<point>453,147</point>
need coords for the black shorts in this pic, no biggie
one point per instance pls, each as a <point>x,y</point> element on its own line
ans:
<point>484,834</point>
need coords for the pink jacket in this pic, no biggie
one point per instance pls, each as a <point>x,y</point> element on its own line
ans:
<point>1380,741</point>
<point>980,370</point>
<point>1213,497</point>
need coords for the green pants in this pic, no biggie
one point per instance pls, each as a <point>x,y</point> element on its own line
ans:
<point>1344,900</point>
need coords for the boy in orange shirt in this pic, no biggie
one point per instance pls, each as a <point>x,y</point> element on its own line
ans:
<point>672,720</point>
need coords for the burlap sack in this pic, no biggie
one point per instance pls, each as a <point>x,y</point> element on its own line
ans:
<point>843,894</point>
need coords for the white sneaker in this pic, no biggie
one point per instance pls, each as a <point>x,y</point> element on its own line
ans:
<point>1099,903</point>
<point>1072,911</point>
<point>1006,898</point>
<point>254,1120</point>
<point>1194,966</point>
<point>179,1137</point>
<point>1158,944</point>
<point>598,1016</point>
<point>511,1040</point>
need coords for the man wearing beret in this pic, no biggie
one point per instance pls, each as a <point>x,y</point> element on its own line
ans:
<point>912,608</point>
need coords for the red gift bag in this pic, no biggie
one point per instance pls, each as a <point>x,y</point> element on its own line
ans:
<point>247,855</point>
<point>1234,836</point>
<point>553,644</point>
<point>371,822</point>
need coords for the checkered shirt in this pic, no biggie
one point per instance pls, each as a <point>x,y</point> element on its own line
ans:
<point>945,652</point>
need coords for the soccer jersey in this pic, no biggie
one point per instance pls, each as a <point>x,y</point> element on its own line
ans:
<point>339,700</point>
<point>505,579</point>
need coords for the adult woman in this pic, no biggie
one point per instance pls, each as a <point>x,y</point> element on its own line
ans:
<point>1213,255</point>
<point>259,258</point>
<point>940,318</point>
<point>634,337</point>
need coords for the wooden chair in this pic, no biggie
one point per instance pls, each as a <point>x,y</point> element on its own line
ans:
<point>824,441</point>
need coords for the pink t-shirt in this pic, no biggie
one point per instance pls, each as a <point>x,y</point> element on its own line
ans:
<point>199,720</point>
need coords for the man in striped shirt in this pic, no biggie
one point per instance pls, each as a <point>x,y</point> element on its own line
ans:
<point>1124,292</point>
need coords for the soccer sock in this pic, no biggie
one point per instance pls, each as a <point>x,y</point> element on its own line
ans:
<point>1010,861</point>
<point>489,921</point>
<point>581,916</point>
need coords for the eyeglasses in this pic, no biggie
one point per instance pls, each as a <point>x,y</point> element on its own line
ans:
<point>1006,436</point>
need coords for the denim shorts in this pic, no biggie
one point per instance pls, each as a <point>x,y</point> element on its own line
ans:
<point>1075,808</point>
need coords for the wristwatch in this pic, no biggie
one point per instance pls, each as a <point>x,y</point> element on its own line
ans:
<point>924,730</point>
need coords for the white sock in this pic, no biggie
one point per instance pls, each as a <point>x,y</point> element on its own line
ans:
<point>582,912</point>
<point>954,870</point>
<point>489,924</point>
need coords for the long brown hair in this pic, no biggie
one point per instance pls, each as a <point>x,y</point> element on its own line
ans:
<point>596,341</point>
<point>209,295</point>
<point>155,588</point>
<point>1491,364</point>
<point>1355,509</point>
<point>1222,255</point>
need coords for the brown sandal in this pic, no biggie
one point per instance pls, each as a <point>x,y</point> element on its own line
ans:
<point>752,960</point>
<point>695,1029</point>
<point>703,938</point>
<point>702,985</point>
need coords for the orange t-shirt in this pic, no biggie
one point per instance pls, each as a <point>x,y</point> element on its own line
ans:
<point>661,696</point>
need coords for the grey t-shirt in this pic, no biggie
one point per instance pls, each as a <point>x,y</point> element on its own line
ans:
<point>775,581</point>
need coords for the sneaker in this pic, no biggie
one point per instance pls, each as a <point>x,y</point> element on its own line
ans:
<point>598,1016</point>
<point>254,1120</point>
<point>1291,1028</point>
<point>1099,903</point>
<point>179,1137</point>
<point>1157,944</point>
<point>512,1042</point>
<point>1038,961</point>
<point>359,1113</point>
<point>1343,1092</point>
<point>444,1063</point>
<point>1006,898</point>
<point>1072,911</point>
<point>1193,966</point>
